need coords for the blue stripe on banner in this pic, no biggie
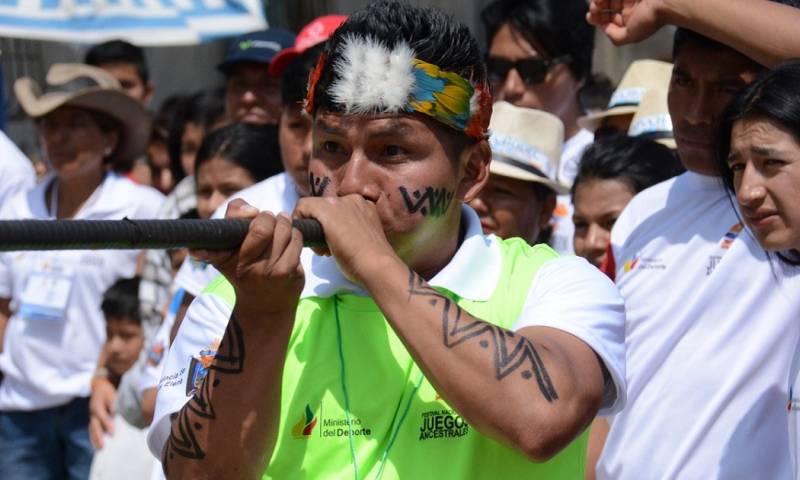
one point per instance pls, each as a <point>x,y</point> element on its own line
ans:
<point>50,4</point>
<point>8,3</point>
<point>92,23</point>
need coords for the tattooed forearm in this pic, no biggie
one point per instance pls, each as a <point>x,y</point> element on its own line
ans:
<point>511,353</point>
<point>430,201</point>
<point>198,413</point>
<point>318,184</point>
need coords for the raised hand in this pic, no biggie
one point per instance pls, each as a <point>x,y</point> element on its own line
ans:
<point>626,21</point>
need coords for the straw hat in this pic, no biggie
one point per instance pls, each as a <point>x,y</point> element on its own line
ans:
<point>640,77</point>
<point>91,88</point>
<point>652,119</point>
<point>526,145</point>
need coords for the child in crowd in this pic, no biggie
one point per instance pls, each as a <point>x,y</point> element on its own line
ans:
<point>123,455</point>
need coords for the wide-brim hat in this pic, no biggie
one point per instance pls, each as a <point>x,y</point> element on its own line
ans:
<point>641,76</point>
<point>84,86</point>
<point>652,119</point>
<point>316,32</point>
<point>526,145</point>
<point>256,47</point>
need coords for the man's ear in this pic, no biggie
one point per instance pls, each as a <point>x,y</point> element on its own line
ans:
<point>548,207</point>
<point>475,160</point>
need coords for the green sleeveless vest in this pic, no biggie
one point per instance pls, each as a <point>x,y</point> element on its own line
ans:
<point>355,405</point>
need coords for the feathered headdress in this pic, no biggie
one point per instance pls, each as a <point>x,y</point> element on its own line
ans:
<point>371,78</point>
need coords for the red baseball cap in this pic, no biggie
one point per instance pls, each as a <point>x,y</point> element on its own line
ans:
<point>316,32</point>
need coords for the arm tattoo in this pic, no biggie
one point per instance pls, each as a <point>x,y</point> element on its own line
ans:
<point>430,201</point>
<point>198,413</point>
<point>510,352</point>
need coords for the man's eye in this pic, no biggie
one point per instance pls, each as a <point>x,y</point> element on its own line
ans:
<point>774,162</point>
<point>579,225</point>
<point>736,167</point>
<point>681,81</point>
<point>331,147</point>
<point>393,151</point>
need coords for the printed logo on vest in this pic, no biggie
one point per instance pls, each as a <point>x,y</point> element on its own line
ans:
<point>443,423</point>
<point>305,427</point>
<point>328,427</point>
<point>198,367</point>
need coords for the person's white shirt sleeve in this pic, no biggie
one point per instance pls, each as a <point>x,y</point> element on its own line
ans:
<point>571,295</point>
<point>203,326</point>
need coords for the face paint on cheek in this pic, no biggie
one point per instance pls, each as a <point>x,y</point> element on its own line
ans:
<point>429,201</point>
<point>318,184</point>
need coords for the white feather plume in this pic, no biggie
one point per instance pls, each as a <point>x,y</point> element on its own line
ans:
<point>371,78</point>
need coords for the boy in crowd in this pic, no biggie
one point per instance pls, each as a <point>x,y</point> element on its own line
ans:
<point>402,305</point>
<point>125,62</point>
<point>122,456</point>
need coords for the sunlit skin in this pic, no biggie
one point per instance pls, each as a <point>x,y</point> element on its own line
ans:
<point>74,143</point>
<point>703,82</point>
<point>509,208</point>
<point>765,160</point>
<point>294,137</point>
<point>597,204</point>
<point>252,95</point>
<point>190,143</point>
<point>161,173</point>
<point>124,341</point>
<point>128,77</point>
<point>558,94</point>
<point>374,156</point>
<point>218,179</point>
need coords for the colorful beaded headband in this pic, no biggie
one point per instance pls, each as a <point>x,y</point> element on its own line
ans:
<point>374,79</point>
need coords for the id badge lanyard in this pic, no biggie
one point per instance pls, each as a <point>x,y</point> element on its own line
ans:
<point>47,291</point>
<point>395,424</point>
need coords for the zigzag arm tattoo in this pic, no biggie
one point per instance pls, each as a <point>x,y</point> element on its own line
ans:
<point>198,413</point>
<point>510,352</point>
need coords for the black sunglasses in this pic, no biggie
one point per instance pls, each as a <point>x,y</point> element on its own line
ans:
<point>532,70</point>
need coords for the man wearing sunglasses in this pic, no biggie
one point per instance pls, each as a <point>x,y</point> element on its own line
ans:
<point>540,54</point>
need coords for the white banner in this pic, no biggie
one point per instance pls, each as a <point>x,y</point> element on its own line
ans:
<point>142,22</point>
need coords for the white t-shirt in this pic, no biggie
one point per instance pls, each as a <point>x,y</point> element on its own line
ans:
<point>710,334</point>
<point>56,329</point>
<point>563,228</point>
<point>276,194</point>
<point>16,170</point>
<point>567,293</point>
<point>157,350</point>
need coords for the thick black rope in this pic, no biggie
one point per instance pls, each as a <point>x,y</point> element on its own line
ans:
<point>136,234</point>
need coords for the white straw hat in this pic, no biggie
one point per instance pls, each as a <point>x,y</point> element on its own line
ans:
<point>641,76</point>
<point>526,145</point>
<point>652,119</point>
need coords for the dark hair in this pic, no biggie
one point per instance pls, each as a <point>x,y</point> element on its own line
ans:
<point>203,109</point>
<point>774,96</point>
<point>637,162</point>
<point>252,147</point>
<point>434,36</point>
<point>118,51</point>
<point>294,82</point>
<point>558,27</point>
<point>121,300</point>
<point>596,92</point>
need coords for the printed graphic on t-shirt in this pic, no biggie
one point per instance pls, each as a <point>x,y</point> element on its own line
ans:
<point>442,423</point>
<point>198,367</point>
<point>724,245</point>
